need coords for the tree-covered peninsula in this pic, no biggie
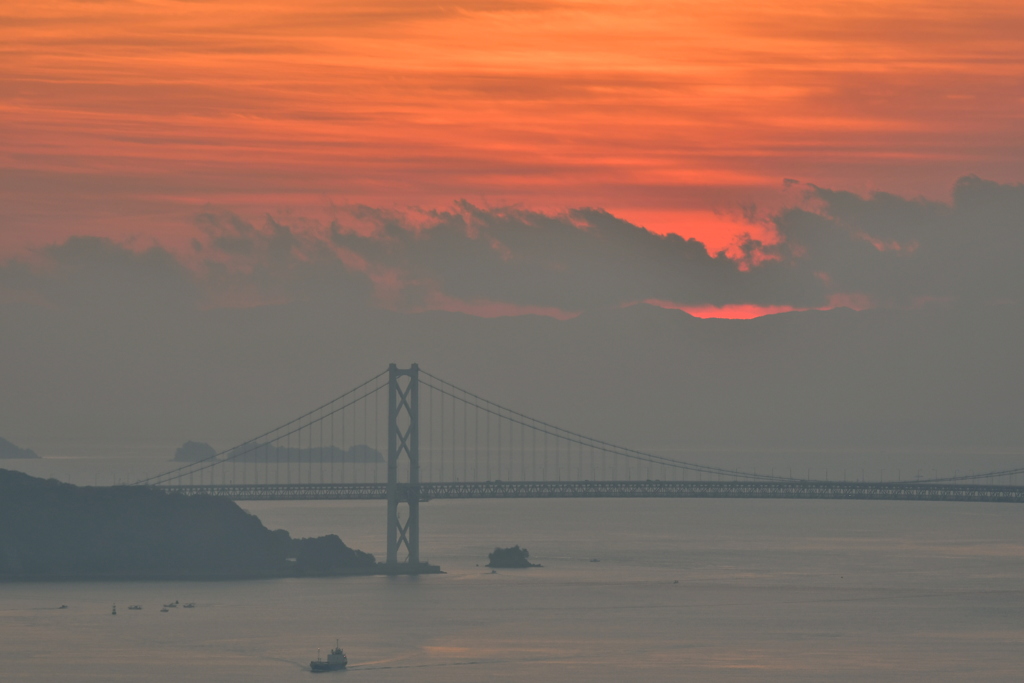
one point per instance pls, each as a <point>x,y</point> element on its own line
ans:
<point>52,530</point>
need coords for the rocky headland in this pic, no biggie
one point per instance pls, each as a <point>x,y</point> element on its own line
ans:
<point>8,451</point>
<point>52,530</point>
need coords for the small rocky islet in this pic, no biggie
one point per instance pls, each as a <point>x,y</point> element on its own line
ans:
<point>510,558</point>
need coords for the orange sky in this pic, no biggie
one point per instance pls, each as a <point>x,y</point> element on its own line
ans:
<point>124,118</point>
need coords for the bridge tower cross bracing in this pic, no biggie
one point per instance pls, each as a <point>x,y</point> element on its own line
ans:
<point>403,440</point>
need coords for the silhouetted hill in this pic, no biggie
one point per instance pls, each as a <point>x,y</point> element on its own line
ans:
<point>53,530</point>
<point>8,451</point>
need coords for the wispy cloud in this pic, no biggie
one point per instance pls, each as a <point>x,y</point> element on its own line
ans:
<point>121,118</point>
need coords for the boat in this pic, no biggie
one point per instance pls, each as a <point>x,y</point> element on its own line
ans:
<point>114,610</point>
<point>336,660</point>
<point>164,609</point>
<point>134,606</point>
<point>189,605</point>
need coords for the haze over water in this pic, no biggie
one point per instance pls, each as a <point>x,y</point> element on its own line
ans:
<point>767,590</point>
<point>776,237</point>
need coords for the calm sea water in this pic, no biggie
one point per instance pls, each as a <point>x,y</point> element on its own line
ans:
<point>701,590</point>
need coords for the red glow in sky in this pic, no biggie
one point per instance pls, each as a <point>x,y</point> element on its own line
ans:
<point>125,118</point>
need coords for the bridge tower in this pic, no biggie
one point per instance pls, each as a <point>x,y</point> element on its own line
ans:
<point>403,440</point>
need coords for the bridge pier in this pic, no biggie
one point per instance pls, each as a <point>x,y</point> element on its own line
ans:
<point>403,440</point>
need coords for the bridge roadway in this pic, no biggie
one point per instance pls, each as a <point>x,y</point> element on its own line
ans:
<point>828,490</point>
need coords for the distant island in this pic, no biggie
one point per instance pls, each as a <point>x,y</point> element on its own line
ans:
<point>510,558</point>
<point>8,451</point>
<point>270,453</point>
<point>52,530</point>
<point>194,451</point>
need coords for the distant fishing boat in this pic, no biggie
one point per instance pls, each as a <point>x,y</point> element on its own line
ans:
<point>113,610</point>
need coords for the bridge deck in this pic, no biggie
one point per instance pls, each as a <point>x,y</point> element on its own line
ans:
<point>621,489</point>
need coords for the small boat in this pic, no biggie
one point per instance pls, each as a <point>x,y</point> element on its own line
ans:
<point>134,606</point>
<point>172,604</point>
<point>189,605</point>
<point>336,660</point>
<point>113,610</point>
<point>63,607</point>
<point>164,609</point>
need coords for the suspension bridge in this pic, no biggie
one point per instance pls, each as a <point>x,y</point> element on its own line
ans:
<point>407,436</point>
